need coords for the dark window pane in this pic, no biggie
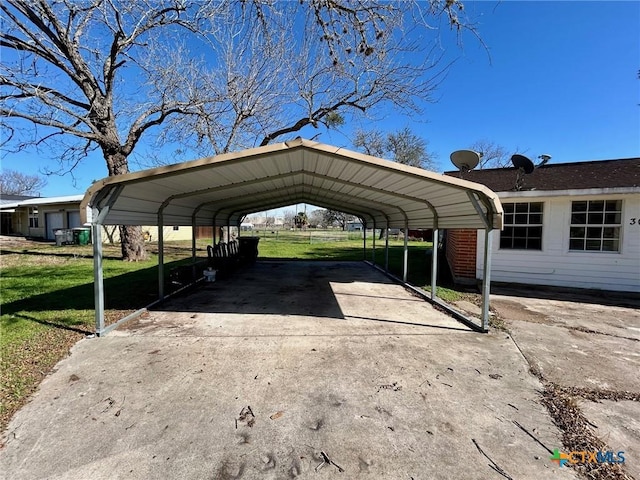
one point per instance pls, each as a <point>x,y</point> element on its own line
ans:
<point>522,207</point>
<point>506,237</point>
<point>520,232</point>
<point>578,218</point>
<point>594,232</point>
<point>534,232</point>
<point>535,218</point>
<point>576,244</point>
<point>610,245</point>
<point>534,244</point>
<point>610,232</point>
<point>579,207</point>
<point>522,218</point>
<point>612,218</point>
<point>520,243</point>
<point>508,219</point>
<point>596,206</point>
<point>505,242</point>
<point>507,207</point>
<point>535,207</point>
<point>577,232</point>
<point>593,244</point>
<point>613,205</point>
<point>596,218</point>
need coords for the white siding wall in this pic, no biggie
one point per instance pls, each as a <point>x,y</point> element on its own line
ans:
<point>556,265</point>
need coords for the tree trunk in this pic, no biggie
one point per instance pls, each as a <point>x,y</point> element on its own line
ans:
<point>131,238</point>
<point>132,243</point>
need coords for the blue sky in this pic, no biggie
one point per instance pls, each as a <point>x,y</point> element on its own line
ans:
<point>562,80</point>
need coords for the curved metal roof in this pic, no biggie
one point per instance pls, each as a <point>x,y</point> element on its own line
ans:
<point>221,190</point>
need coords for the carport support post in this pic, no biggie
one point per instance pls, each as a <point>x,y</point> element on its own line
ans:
<point>405,263</point>
<point>193,239</point>
<point>373,244</point>
<point>386,248</point>
<point>364,240</point>
<point>434,263</point>
<point>160,257</point>
<point>194,258</point>
<point>486,279</point>
<point>98,277</point>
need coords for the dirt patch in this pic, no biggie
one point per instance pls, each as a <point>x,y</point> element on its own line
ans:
<point>516,311</point>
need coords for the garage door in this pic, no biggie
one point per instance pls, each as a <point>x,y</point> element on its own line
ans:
<point>73,219</point>
<point>54,221</point>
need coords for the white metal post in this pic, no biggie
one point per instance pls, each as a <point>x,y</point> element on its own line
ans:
<point>386,248</point>
<point>486,279</point>
<point>434,263</point>
<point>98,277</point>
<point>373,244</point>
<point>193,239</point>
<point>405,265</point>
<point>160,257</point>
<point>364,240</point>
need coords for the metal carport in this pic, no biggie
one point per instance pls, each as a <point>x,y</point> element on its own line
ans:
<point>221,190</point>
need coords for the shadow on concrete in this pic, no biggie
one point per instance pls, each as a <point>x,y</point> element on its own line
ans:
<point>265,288</point>
<point>462,328</point>
<point>129,291</point>
<point>597,297</point>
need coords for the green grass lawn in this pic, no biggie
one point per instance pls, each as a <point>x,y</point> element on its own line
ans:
<point>47,293</point>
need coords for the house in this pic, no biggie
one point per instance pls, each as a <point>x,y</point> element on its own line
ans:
<point>354,226</point>
<point>569,225</point>
<point>41,217</point>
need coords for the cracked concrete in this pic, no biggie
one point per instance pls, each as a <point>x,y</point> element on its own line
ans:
<point>341,368</point>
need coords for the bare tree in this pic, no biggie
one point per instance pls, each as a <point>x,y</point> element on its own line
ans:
<point>492,154</point>
<point>316,218</point>
<point>215,75</point>
<point>402,146</point>
<point>13,182</point>
<point>289,218</point>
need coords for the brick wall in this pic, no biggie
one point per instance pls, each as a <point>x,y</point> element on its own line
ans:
<point>461,253</point>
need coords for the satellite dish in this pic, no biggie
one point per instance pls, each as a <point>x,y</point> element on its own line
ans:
<point>520,161</point>
<point>545,157</point>
<point>465,160</point>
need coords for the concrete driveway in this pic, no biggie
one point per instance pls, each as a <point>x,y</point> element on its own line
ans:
<point>287,370</point>
<point>587,345</point>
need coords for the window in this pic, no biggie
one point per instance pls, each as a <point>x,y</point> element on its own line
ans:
<point>595,225</point>
<point>33,217</point>
<point>522,226</point>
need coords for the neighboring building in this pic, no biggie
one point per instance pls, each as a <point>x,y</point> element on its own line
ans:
<point>353,226</point>
<point>570,225</point>
<point>40,217</point>
<point>6,217</point>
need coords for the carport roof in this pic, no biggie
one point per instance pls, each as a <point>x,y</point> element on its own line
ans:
<point>221,190</point>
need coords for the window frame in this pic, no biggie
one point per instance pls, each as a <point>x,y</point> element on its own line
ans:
<point>602,225</point>
<point>33,215</point>
<point>511,209</point>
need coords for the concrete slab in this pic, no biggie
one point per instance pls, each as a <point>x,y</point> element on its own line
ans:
<point>378,384</point>
<point>598,314</point>
<point>589,341</point>
<point>618,425</point>
<point>575,343</point>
